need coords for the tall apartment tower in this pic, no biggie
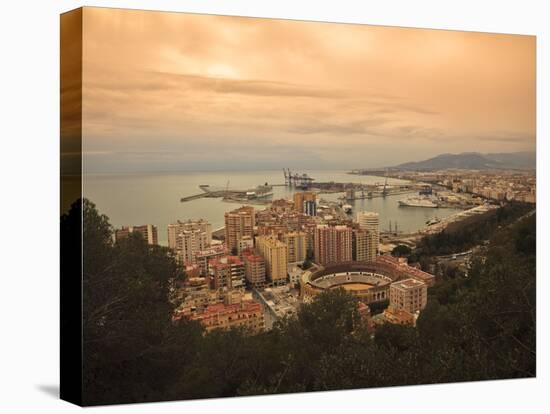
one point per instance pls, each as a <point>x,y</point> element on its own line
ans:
<point>370,221</point>
<point>239,223</point>
<point>187,238</point>
<point>333,244</point>
<point>245,243</point>
<point>296,246</point>
<point>274,252</point>
<point>203,257</point>
<point>364,245</point>
<point>148,231</point>
<point>302,198</point>
<point>254,269</point>
<point>310,207</point>
<point>227,271</point>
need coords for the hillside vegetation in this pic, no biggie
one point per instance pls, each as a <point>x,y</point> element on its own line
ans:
<point>476,328</point>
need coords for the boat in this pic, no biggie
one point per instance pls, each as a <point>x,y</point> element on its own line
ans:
<point>261,191</point>
<point>251,195</point>
<point>424,202</point>
<point>347,208</point>
<point>433,221</point>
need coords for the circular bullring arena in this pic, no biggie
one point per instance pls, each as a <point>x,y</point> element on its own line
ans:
<point>369,281</point>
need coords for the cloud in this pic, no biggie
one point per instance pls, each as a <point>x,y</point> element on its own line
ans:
<point>210,87</point>
<point>506,137</point>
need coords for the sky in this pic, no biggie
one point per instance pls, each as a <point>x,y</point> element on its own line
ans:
<point>174,91</point>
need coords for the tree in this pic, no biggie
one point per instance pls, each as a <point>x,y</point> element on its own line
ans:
<point>401,250</point>
<point>127,322</point>
<point>307,264</point>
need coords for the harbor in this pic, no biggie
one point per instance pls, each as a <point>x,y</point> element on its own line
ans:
<point>158,195</point>
<point>262,194</point>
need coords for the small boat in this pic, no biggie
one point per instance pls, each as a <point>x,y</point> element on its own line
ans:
<point>433,221</point>
<point>347,208</point>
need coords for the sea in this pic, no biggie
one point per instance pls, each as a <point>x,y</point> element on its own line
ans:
<point>154,198</point>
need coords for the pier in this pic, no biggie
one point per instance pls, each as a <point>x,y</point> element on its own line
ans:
<point>211,194</point>
<point>255,195</point>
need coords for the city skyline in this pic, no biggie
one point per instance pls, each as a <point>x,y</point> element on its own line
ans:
<point>182,91</point>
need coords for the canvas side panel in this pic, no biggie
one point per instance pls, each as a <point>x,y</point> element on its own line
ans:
<point>71,206</point>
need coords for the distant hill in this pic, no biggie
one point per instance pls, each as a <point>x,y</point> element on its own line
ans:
<point>474,161</point>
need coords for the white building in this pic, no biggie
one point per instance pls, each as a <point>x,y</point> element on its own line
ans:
<point>187,238</point>
<point>370,221</point>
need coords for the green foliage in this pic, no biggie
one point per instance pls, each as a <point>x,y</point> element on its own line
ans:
<point>401,250</point>
<point>307,264</point>
<point>128,336</point>
<point>464,235</point>
<point>379,307</point>
<point>395,337</point>
<point>526,239</point>
<point>477,327</point>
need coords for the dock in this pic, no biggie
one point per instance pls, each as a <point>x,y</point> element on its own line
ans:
<point>203,195</point>
<point>261,192</point>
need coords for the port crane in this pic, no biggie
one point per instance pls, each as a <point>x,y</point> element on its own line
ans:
<point>302,181</point>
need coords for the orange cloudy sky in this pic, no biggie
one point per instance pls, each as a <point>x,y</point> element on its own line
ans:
<point>169,91</point>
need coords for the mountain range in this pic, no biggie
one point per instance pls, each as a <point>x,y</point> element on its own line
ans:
<point>474,161</point>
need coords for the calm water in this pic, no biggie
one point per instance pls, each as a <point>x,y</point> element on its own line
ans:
<point>153,198</point>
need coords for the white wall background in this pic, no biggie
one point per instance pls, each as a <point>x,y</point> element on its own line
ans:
<point>29,160</point>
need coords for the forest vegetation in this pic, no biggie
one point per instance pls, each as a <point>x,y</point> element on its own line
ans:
<point>475,327</point>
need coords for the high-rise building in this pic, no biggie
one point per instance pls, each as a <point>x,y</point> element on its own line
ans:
<point>370,221</point>
<point>364,245</point>
<point>187,238</point>
<point>310,207</point>
<point>148,232</point>
<point>410,295</point>
<point>227,272</point>
<point>245,243</point>
<point>274,252</point>
<point>254,269</point>
<point>333,244</point>
<point>309,230</point>
<point>300,198</point>
<point>238,224</point>
<point>296,246</point>
<point>203,257</point>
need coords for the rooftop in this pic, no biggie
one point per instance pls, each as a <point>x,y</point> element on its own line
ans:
<point>225,260</point>
<point>408,283</point>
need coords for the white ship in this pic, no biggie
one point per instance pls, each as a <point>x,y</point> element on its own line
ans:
<point>425,202</point>
<point>262,191</point>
